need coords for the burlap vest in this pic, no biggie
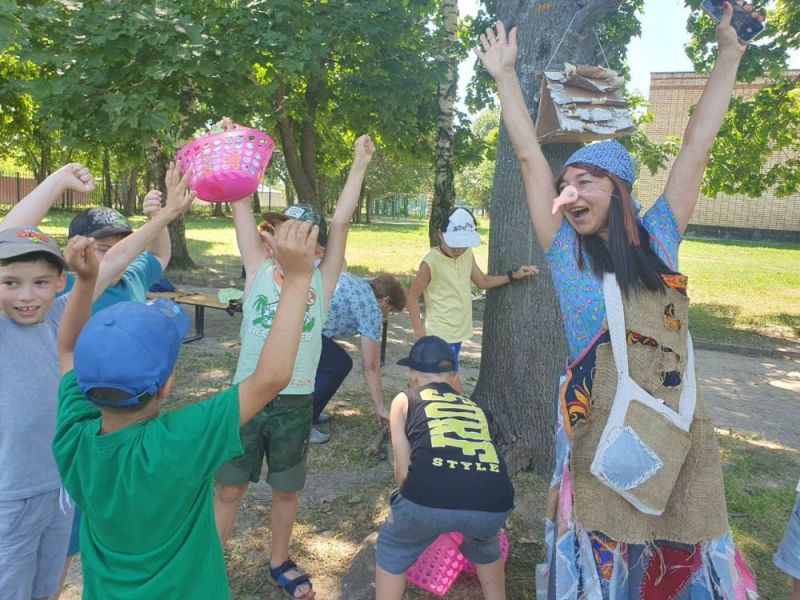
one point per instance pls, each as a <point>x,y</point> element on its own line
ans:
<point>696,508</point>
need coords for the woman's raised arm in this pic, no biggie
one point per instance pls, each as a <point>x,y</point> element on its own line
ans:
<point>686,176</point>
<point>498,56</point>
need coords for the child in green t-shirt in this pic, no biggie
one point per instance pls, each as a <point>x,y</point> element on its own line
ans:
<point>145,479</point>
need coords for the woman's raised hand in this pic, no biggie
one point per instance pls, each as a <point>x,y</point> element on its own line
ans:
<point>727,38</point>
<point>499,52</point>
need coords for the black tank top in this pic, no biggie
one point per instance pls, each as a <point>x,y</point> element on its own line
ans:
<point>454,463</point>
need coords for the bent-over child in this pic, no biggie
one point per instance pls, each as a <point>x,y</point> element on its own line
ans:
<point>450,474</point>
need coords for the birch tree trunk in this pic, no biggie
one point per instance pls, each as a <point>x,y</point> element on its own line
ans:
<point>444,193</point>
<point>524,346</point>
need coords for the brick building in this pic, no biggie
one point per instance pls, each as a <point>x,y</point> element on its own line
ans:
<point>671,97</point>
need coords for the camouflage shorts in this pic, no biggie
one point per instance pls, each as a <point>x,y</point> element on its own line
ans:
<point>278,432</point>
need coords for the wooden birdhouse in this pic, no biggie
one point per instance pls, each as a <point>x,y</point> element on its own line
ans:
<point>582,104</point>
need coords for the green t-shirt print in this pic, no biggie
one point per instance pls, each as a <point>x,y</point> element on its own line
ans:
<point>260,306</point>
<point>264,314</point>
<point>148,530</point>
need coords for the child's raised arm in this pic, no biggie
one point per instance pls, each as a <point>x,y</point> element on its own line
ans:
<point>251,248</point>
<point>295,243</point>
<point>81,258</point>
<point>331,264</point>
<point>117,259</point>
<point>686,176</point>
<point>160,247</point>
<point>498,57</point>
<point>30,211</point>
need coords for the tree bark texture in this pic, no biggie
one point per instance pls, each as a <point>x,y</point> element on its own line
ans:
<point>300,158</point>
<point>524,346</point>
<point>444,191</point>
<point>158,160</point>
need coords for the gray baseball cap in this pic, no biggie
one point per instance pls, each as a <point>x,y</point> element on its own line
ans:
<point>17,241</point>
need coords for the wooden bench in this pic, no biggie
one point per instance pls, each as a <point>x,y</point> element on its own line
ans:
<point>200,302</point>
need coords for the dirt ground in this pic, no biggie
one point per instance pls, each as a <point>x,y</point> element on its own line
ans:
<point>756,397</point>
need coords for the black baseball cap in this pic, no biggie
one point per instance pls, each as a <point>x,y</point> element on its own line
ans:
<point>301,212</point>
<point>99,223</point>
<point>429,354</point>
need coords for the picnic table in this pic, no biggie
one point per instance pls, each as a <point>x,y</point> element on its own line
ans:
<point>200,302</point>
<point>203,301</point>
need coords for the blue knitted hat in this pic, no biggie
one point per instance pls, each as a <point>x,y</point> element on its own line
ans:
<point>610,156</point>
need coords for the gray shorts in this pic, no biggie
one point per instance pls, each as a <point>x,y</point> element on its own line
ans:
<point>411,528</point>
<point>787,559</point>
<point>34,533</point>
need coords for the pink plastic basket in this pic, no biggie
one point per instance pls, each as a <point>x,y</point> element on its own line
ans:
<point>437,569</point>
<point>226,166</point>
<point>439,566</point>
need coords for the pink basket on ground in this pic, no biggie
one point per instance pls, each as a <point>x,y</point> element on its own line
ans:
<point>437,569</point>
<point>439,566</point>
<point>226,166</point>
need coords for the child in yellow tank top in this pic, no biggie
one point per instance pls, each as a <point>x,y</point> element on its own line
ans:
<point>444,279</point>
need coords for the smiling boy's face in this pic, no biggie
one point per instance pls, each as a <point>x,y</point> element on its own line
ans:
<point>27,290</point>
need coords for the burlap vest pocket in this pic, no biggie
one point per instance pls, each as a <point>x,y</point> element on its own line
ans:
<point>641,457</point>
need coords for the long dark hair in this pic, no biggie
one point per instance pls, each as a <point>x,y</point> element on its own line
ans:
<point>627,253</point>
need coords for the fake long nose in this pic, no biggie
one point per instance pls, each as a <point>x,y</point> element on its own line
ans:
<point>568,195</point>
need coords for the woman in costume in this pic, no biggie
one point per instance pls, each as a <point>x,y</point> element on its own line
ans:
<point>637,507</point>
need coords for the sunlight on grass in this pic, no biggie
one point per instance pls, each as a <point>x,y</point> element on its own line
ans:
<point>742,292</point>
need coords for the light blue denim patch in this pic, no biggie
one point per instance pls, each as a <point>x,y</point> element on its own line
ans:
<point>628,462</point>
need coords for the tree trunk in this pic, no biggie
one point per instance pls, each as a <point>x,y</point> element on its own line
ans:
<point>130,192</point>
<point>368,202</point>
<point>256,203</point>
<point>300,160</point>
<point>444,191</point>
<point>218,210</point>
<point>360,204</point>
<point>107,197</point>
<point>123,193</point>
<point>158,161</point>
<point>524,346</point>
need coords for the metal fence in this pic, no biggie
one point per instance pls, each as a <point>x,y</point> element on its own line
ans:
<point>402,206</point>
<point>14,186</point>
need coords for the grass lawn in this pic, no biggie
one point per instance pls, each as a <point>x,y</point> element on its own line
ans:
<point>742,292</point>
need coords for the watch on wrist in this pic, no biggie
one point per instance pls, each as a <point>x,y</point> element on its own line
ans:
<point>510,274</point>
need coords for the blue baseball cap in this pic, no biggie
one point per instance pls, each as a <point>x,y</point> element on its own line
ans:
<point>610,156</point>
<point>429,354</point>
<point>130,347</point>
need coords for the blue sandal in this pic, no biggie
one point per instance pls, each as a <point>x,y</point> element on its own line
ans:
<point>289,586</point>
